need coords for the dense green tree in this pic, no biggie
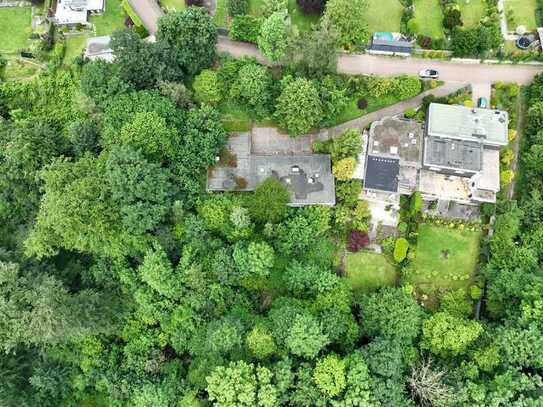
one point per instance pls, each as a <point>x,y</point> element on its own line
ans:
<point>298,109</point>
<point>448,335</point>
<point>190,37</point>
<point>329,375</point>
<point>313,52</point>
<point>237,7</point>
<point>272,41</point>
<point>245,28</point>
<point>269,201</point>
<point>206,87</point>
<point>254,260</point>
<point>305,337</point>
<point>392,313</point>
<point>101,81</point>
<point>348,19</point>
<point>253,88</point>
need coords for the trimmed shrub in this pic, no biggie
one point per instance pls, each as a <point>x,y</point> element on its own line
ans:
<point>343,170</point>
<point>400,249</point>
<point>245,28</point>
<point>362,104</point>
<point>237,7</point>
<point>410,113</point>
<point>273,6</point>
<point>206,87</point>
<point>358,240</point>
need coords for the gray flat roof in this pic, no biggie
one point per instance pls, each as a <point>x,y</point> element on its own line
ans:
<point>455,121</point>
<point>308,177</point>
<point>397,138</point>
<point>382,173</point>
<point>453,154</point>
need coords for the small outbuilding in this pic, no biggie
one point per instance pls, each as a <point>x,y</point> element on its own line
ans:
<point>388,43</point>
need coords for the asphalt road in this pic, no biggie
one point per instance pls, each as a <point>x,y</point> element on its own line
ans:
<point>383,65</point>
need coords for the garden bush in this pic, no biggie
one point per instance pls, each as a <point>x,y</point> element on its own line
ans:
<point>245,28</point>
<point>347,192</point>
<point>273,6</point>
<point>206,87</point>
<point>362,104</point>
<point>357,240</point>
<point>312,6</point>
<point>410,113</point>
<point>452,18</point>
<point>237,7</point>
<point>343,169</point>
<point>400,249</point>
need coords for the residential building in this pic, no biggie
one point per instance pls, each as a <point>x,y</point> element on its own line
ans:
<point>455,157</point>
<point>389,43</point>
<point>72,12</point>
<point>308,177</point>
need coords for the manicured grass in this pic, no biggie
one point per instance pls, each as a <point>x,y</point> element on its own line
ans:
<point>524,13</point>
<point>221,14</point>
<point>367,271</point>
<point>384,15</point>
<point>429,18</point>
<point>445,259</point>
<point>352,111</point>
<point>75,44</point>
<point>300,19</point>
<point>234,117</point>
<point>14,28</point>
<point>111,20</point>
<point>472,12</point>
<point>173,5</point>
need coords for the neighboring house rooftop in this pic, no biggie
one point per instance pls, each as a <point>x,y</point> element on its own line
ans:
<point>75,11</point>
<point>396,138</point>
<point>382,173</point>
<point>490,127</point>
<point>99,48</point>
<point>453,154</point>
<point>388,42</point>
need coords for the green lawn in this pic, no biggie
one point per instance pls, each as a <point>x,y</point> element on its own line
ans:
<point>112,19</point>
<point>234,117</point>
<point>429,18</point>
<point>368,271</point>
<point>221,14</point>
<point>14,28</point>
<point>75,44</point>
<point>445,259</point>
<point>173,5</point>
<point>524,13</point>
<point>472,11</point>
<point>384,15</point>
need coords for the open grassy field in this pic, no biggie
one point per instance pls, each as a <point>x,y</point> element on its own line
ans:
<point>472,11</point>
<point>429,18</point>
<point>384,15</point>
<point>14,28</point>
<point>445,259</point>
<point>524,13</point>
<point>173,5</point>
<point>111,20</point>
<point>20,69</point>
<point>367,271</point>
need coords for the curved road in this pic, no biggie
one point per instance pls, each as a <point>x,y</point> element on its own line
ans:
<point>383,65</point>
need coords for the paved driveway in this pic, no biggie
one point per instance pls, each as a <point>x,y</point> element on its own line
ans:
<point>383,65</point>
<point>149,11</point>
<point>481,90</point>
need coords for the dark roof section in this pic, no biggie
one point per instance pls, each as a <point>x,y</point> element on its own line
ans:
<point>453,154</point>
<point>382,173</point>
<point>391,45</point>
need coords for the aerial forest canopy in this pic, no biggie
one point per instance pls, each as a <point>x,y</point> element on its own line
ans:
<point>124,283</point>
